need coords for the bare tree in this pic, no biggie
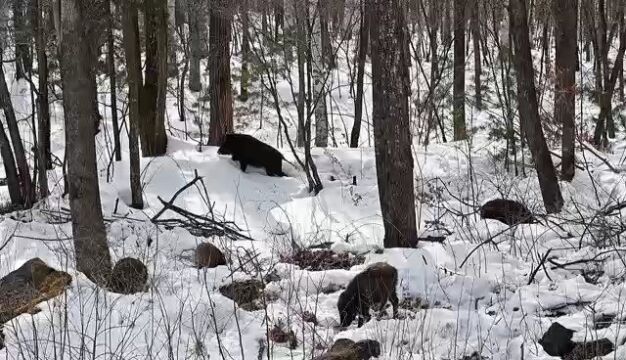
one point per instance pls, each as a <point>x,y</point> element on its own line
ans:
<point>113,84</point>
<point>10,170</point>
<point>319,74</point>
<point>529,109</point>
<point>22,29</point>
<point>475,25</point>
<point>196,28</point>
<point>43,135</point>
<point>245,49</point>
<point>566,18</point>
<point>90,241</point>
<point>459,71</point>
<point>394,161</point>
<point>364,32</point>
<point>219,71</point>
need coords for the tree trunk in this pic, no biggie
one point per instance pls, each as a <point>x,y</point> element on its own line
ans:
<point>130,28</point>
<point>475,24</point>
<point>459,71</point>
<point>364,32</point>
<point>219,72</point>
<point>194,45</point>
<point>95,30</point>
<point>565,15</point>
<point>301,58</point>
<point>113,85</point>
<point>9,169</point>
<point>23,61</point>
<point>43,144</point>
<point>394,161</point>
<point>529,109</point>
<point>319,74</point>
<point>28,191</point>
<point>445,31</point>
<point>90,241</point>
<point>245,50</point>
<point>152,104</point>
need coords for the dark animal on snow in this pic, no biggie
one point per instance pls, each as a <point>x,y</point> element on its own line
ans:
<point>507,211</point>
<point>373,286</point>
<point>129,276</point>
<point>590,350</point>
<point>208,256</point>
<point>250,151</point>
<point>557,341</point>
<point>346,349</point>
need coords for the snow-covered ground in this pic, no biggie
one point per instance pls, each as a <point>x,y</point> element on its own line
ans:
<point>471,297</point>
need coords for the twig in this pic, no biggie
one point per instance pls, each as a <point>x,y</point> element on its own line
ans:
<point>539,266</point>
<point>604,160</point>
<point>169,203</point>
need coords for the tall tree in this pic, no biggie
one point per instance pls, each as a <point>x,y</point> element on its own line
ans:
<point>459,71</point>
<point>245,49</point>
<point>219,71</point>
<point>196,27</point>
<point>475,25</point>
<point>130,28</point>
<point>43,135</point>
<point>364,32</point>
<point>319,73</point>
<point>529,108</point>
<point>10,170</point>
<point>113,83</point>
<point>565,15</point>
<point>394,161</point>
<point>90,241</point>
<point>21,26</point>
<point>152,104</point>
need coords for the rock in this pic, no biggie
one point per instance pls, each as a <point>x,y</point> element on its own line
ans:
<point>129,276</point>
<point>245,293</point>
<point>557,341</point>
<point>208,256</point>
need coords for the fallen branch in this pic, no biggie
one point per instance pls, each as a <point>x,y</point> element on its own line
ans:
<point>602,158</point>
<point>169,203</point>
<point>539,266</point>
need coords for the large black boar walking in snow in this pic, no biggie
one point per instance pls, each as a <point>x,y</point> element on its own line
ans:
<point>506,211</point>
<point>373,286</point>
<point>250,151</point>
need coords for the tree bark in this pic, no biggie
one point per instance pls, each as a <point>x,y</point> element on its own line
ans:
<point>364,32</point>
<point>219,72</point>
<point>130,28</point>
<point>394,161</point>
<point>113,85</point>
<point>529,109</point>
<point>301,42</point>
<point>23,61</point>
<point>245,50</point>
<point>152,104</point>
<point>90,241</point>
<point>475,24</point>
<point>44,159</point>
<point>319,80</point>
<point>566,16</point>
<point>26,185</point>
<point>10,170</point>
<point>459,71</point>
<point>194,45</point>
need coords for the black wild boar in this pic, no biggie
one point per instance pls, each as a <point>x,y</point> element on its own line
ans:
<point>373,286</point>
<point>346,349</point>
<point>507,211</point>
<point>250,151</point>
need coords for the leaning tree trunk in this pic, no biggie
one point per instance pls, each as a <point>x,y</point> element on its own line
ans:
<point>27,189</point>
<point>219,72</point>
<point>10,170</point>
<point>364,33</point>
<point>394,161</point>
<point>43,144</point>
<point>90,241</point>
<point>319,81</point>
<point>459,71</point>
<point>152,124</point>
<point>130,28</point>
<point>565,15</point>
<point>529,109</point>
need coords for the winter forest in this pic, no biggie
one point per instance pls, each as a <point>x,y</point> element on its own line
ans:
<point>312,179</point>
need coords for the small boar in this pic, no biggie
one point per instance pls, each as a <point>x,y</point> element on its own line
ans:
<point>250,151</point>
<point>346,349</point>
<point>208,256</point>
<point>373,286</point>
<point>129,276</point>
<point>506,211</point>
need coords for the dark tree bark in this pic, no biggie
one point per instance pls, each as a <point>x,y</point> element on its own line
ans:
<point>90,241</point>
<point>446,24</point>
<point>193,7</point>
<point>301,42</point>
<point>26,185</point>
<point>44,159</point>
<point>152,104</point>
<point>10,170</point>
<point>459,71</point>
<point>394,161</point>
<point>475,25</point>
<point>245,50</point>
<point>318,74</point>
<point>23,61</point>
<point>529,109</point>
<point>130,28</point>
<point>219,72</point>
<point>364,32</point>
<point>566,16</point>
<point>113,85</point>
<point>96,31</point>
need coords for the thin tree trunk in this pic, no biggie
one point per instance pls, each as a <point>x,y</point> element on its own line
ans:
<point>245,50</point>
<point>10,170</point>
<point>459,71</point>
<point>475,24</point>
<point>43,144</point>
<point>130,28</point>
<point>90,241</point>
<point>529,109</point>
<point>219,72</point>
<point>301,56</point>
<point>113,85</point>
<point>194,45</point>
<point>23,61</point>
<point>565,15</point>
<point>28,191</point>
<point>364,32</point>
<point>319,81</point>
<point>394,160</point>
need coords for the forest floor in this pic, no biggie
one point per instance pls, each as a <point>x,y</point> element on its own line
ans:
<point>485,289</point>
